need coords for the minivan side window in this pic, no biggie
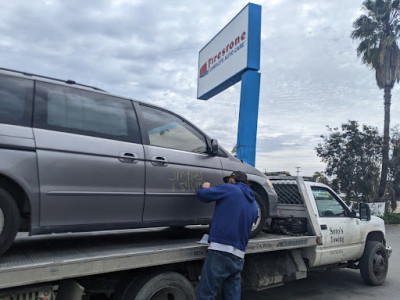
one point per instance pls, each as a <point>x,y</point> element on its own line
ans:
<point>83,112</point>
<point>16,96</point>
<point>169,131</point>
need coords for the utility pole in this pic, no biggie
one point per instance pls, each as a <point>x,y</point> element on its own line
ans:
<point>298,170</point>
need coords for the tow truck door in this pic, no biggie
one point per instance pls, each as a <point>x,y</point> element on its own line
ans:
<point>340,231</point>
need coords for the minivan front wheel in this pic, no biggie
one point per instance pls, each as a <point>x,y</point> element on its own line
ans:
<point>9,220</point>
<point>261,216</point>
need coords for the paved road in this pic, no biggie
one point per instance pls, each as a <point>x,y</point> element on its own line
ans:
<point>340,284</point>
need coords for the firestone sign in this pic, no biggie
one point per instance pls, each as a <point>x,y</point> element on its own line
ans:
<point>235,49</point>
<point>229,51</point>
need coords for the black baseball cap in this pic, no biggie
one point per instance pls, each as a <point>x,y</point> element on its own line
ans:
<point>239,176</point>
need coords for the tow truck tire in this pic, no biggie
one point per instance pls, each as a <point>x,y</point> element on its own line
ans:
<point>374,263</point>
<point>159,286</point>
<point>9,220</point>
<point>262,215</point>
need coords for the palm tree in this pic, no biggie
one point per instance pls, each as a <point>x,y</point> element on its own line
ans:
<point>320,177</point>
<point>378,30</point>
<point>234,150</point>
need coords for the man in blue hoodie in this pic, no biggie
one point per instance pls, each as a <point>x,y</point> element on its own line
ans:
<point>234,214</point>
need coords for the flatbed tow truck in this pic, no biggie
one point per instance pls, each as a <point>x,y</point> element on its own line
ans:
<point>165,263</point>
<point>45,259</point>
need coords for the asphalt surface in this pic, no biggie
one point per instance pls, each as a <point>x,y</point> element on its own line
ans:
<point>340,284</point>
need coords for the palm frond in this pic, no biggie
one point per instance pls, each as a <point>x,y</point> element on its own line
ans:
<point>378,30</point>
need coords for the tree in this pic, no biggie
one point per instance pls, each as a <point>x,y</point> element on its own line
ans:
<point>395,169</point>
<point>320,177</point>
<point>353,157</point>
<point>234,150</point>
<point>378,31</point>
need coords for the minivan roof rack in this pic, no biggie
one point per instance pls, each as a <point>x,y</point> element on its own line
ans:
<point>51,78</point>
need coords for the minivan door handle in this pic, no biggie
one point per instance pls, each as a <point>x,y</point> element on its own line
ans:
<point>127,157</point>
<point>324,227</point>
<point>159,161</point>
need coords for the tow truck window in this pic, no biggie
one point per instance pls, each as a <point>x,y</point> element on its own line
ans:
<point>327,204</point>
<point>168,131</point>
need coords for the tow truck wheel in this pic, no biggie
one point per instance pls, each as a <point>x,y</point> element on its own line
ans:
<point>261,216</point>
<point>374,263</point>
<point>9,220</point>
<point>159,286</point>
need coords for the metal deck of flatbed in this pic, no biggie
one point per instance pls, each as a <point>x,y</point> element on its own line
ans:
<point>43,259</point>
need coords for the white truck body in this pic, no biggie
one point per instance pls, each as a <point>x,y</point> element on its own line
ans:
<point>313,228</point>
<point>343,237</point>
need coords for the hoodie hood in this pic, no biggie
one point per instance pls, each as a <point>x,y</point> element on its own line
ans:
<point>246,190</point>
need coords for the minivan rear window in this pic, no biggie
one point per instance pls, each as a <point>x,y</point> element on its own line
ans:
<point>16,96</point>
<point>83,112</point>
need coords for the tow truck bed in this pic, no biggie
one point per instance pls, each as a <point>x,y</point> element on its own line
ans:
<point>42,259</point>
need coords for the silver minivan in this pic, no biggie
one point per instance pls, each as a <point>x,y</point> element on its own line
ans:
<point>75,158</point>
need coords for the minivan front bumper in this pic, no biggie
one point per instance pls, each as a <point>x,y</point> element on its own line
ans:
<point>388,251</point>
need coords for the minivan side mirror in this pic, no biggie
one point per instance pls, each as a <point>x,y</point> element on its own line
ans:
<point>364,211</point>
<point>214,147</point>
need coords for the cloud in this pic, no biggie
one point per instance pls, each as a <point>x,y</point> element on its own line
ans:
<point>148,50</point>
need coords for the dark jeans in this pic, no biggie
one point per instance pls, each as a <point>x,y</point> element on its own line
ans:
<point>220,269</point>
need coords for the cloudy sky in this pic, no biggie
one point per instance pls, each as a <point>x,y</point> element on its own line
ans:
<point>148,50</point>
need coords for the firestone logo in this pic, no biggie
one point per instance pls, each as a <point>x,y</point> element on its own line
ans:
<point>228,51</point>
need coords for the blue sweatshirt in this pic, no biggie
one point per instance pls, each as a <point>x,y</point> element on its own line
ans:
<point>234,214</point>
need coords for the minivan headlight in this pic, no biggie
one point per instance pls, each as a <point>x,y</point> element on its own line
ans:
<point>270,183</point>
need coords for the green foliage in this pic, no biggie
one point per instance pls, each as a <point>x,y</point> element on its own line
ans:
<point>378,30</point>
<point>394,170</point>
<point>320,177</point>
<point>234,150</point>
<point>353,158</point>
<point>391,218</point>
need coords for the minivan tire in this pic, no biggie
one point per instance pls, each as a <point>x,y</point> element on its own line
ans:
<point>9,220</point>
<point>261,216</point>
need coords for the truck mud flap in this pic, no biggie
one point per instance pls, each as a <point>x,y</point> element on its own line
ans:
<point>69,290</point>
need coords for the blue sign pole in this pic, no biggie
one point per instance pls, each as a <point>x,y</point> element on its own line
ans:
<point>248,117</point>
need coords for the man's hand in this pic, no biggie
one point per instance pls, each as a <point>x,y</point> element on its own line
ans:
<point>206,185</point>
